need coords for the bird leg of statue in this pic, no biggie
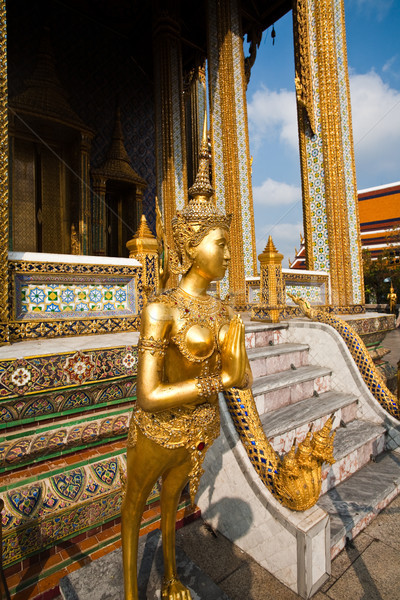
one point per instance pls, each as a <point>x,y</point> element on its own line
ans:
<point>191,347</point>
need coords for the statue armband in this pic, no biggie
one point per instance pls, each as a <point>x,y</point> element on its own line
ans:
<point>153,346</point>
<point>207,386</point>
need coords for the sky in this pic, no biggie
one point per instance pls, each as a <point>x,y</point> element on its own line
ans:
<point>373,52</point>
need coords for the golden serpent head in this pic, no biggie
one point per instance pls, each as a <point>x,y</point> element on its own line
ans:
<point>304,304</point>
<point>298,482</point>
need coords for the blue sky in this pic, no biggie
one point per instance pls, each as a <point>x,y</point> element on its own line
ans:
<point>373,49</point>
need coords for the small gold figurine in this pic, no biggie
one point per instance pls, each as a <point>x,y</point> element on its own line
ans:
<point>191,347</point>
<point>392,297</point>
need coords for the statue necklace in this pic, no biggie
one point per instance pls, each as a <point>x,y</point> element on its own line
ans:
<point>202,319</point>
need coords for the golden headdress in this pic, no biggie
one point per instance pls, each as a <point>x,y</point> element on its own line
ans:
<point>199,216</point>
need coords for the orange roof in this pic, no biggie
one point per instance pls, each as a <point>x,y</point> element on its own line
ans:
<point>379,207</point>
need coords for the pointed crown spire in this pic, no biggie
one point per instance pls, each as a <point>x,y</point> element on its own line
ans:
<point>199,216</point>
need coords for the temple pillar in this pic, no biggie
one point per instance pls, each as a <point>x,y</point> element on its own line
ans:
<point>139,203</point>
<point>3,178</point>
<point>84,192</point>
<point>330,205</point>
<point>99,216</point>
<point>170,139</point>
<point>230,141</point>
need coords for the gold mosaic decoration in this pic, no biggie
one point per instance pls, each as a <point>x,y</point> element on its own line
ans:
<point>327,156</point>
<point>170,141</point>
<point>3,166</point>
<point>303,80</point>
<point>372,378</point>
<point>194,430</point>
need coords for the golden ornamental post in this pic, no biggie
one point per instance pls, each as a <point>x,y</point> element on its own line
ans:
<point>272,287</point>
<point>144,247</point>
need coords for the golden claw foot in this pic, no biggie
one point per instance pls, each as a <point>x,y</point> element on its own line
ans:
<point>173,589</point>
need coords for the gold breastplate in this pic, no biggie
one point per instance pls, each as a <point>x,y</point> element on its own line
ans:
<point>200,322</point>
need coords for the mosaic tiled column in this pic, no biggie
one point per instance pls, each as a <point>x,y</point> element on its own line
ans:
<point>99,216</point>
<point>195,109</point>
<point>85,209</point>
<point>229,140</point>
<point>3,177</point>
<point>330,205</point>
<point>170,142</point>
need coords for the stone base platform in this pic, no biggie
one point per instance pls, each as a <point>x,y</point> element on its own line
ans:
<point>103,578</point>
<point>371,326</point>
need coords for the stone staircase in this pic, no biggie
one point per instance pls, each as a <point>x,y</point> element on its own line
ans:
<point>293,392</point>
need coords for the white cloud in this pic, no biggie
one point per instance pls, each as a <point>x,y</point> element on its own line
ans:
<point>376,125</point>
<point>387,67</point>
<point>272,115</point>
<point>377,10</point>
<point>276,193</point>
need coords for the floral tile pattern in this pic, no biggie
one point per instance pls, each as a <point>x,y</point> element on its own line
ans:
<point>65,300</point>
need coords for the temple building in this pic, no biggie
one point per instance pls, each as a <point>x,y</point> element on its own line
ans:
<point>379,210</point>
<point>103,111</point>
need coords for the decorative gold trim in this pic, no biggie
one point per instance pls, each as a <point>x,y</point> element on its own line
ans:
<point>351,142</point>
<point>23,330</point>
<point>300,15</point>
<point>335,193</point>
<point>303,82</point>
<point>3,166</point>
<point>231,173</point>
<point>245,127</point>
<point>340,259</point>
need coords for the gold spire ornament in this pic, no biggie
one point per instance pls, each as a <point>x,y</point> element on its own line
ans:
<point>198,217</point>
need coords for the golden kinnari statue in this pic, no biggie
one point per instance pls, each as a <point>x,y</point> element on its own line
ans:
<point>191,347</point>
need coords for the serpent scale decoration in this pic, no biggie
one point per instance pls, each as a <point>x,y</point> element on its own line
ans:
<point>370,374</point>
<point>295,478</point>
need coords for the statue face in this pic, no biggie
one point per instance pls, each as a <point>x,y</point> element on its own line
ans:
<point>211,257</point>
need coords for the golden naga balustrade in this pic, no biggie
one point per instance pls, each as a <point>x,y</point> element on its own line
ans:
<point>370,374</point>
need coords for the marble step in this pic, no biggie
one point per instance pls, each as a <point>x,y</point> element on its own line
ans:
<point>293,421</point>
<point>277,390</point>
<point>354,503</point>
<point>262,334</point>
<point>353,447</point>
<point>276,358</point>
